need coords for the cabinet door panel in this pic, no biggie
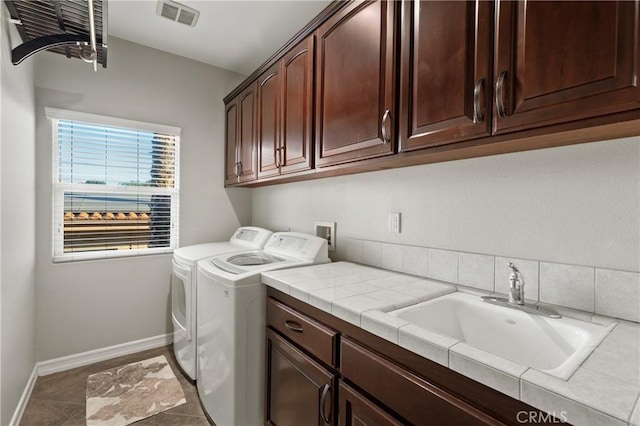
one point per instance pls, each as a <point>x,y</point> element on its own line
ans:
<point>357,410</point>
<point>296,386</point>
<point>231,147</point>
<point>413,398</point>
<point>355,65</point>
<point>248,107</point>
<point>561,61</point>
<point>446,57</point>
<point>297,119</point>
<point>268,119</point>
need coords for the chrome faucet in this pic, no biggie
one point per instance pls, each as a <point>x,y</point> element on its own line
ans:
<point>516,286</point>
<point>516,297</point>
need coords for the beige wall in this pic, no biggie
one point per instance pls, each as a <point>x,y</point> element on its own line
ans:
<point>17,224</point>
<point>576,205</point>
<point>88,305</point>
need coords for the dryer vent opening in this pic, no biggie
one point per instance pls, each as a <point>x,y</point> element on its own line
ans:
<point>178,12</point>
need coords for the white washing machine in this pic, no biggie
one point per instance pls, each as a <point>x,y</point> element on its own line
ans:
<point>231,324</point>
<point>183,288</point>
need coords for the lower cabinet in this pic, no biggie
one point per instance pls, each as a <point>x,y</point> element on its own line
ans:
<point>299,390</point>
<point>413,398</point>
<point>321,370</point>
<point>356,410</point>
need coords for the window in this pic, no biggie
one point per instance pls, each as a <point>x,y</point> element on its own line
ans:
<point>115,186</point>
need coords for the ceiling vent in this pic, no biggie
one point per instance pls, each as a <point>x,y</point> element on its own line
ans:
<point>178,12</point>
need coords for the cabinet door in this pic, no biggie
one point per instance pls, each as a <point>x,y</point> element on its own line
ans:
<point>445,72</point>
<point>247,119</point>
<point>354,83</point>
<point>408,395</point>
<point>559,61</point>
<point>297,108</point>
<point>231,143</point>
<point>299,390</point>
<point>357,410</point>
<point>269,92</point>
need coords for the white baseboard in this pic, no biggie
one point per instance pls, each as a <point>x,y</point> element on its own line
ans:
<point>24,399</point>
<point>78,360</point>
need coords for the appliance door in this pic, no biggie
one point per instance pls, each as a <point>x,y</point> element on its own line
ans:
<point>181,302</point>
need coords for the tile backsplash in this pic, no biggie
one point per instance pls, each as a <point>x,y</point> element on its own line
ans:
<point>596,290</point>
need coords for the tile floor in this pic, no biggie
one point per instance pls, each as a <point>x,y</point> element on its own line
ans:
<point>59,399</point>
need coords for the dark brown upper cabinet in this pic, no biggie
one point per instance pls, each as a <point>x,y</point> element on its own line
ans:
<point>434,81</point>
<point>355,83</point>
<point>269,94</point>
<point>562,61</point>
<point>241,131</point>
<point>231,144</point>
<point>445,72</point>
<point>285,137</point>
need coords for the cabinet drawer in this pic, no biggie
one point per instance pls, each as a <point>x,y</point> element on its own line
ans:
<point>416,400</point>
<point>317,339</point>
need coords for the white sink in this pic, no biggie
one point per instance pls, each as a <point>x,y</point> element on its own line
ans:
<point>554,346</point>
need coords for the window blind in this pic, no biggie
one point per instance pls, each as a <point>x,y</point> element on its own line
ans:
<point>115,187</point>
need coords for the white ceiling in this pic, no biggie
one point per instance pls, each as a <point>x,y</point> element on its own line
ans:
<point>236,35</point>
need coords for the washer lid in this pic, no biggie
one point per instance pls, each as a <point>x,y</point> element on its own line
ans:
<point>253,259</point>
<point>245,262</point>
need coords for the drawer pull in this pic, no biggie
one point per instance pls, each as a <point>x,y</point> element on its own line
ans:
<point>293,326</point>
<point>323,397</point>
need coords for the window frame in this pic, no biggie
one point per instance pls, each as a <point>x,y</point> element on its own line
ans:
<point>58,189</point>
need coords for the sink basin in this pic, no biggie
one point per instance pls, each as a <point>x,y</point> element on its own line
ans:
<point>556,346</point>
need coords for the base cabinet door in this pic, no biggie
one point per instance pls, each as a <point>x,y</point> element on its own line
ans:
<point>559,61</point>
<point>416,400</point>
<point>356,410</point>
<point>355,83</point>
<point>299,390</point>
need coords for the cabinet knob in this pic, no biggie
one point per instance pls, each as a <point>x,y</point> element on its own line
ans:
<point>383,126</point>
<point>323,397</point>
<point>478,116</point>
<point>500,94</point>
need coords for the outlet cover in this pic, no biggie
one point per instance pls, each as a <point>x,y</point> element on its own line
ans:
<point>327,230</point>
<point>394,223</point>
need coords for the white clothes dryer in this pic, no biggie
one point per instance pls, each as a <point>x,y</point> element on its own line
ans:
<point>231,324</point>
<point>183,288</point>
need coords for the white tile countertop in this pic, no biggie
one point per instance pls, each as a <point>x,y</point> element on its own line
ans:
<point>604,390</point>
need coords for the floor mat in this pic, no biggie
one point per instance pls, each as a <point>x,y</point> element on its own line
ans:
<point>123,395</point>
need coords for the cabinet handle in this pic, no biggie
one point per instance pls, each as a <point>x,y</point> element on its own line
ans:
<point>383,126</point>
<point>294,326</point>
<point>282,148</point>
<point>239,168</point>
<point>478,117</point>
<point>276,157</point>
<point>323,397</point>
<point>499,94</point>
